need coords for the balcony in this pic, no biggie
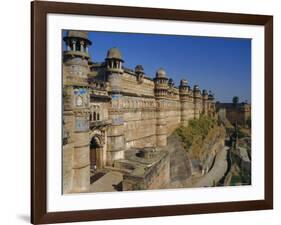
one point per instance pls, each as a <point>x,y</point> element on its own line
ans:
<point>99,123</point>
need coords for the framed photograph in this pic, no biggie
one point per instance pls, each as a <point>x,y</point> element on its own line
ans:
<point>144,112</point>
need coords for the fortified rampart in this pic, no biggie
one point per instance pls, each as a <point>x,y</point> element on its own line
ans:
<point>108,109</point>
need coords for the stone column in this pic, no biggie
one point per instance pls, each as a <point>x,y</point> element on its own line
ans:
<point>82,46</point>
<point>74,45</point>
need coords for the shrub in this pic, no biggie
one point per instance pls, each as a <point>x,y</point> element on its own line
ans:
<point>196,130</point>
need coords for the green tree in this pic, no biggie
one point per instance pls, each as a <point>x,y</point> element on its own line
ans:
<point>235,100</point>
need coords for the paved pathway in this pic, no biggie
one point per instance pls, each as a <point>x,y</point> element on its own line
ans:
<point>107,183</point>
<point>216,173</point>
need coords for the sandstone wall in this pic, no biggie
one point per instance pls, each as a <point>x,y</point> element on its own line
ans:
<point>173,115</point>
<point>139,111</point>
<point>131,85</point>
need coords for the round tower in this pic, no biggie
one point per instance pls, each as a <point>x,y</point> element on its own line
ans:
<point>205,101</point>
<point>171,83</point>
<point>197,98</point>
<point>139,71</point>
<point>183,90</point>
<point>160,90</point>
<point>114,61</point>
<point>184,101</point>
<point>76,168</point>
<point>116,133</point>
<point>211,104</point>
<point>161,83</point>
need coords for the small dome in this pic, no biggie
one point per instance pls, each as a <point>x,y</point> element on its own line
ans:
<point>205,92</point>
<point>196,88</point>
<point>171,82</point>
<point>114,53</point>
<point>80,35</point>
<point>139,69</point>
<point>184,83</point>
<point>161,73</point>
<point>211,95</point>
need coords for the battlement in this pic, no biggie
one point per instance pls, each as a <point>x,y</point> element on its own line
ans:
<point>119,108</point>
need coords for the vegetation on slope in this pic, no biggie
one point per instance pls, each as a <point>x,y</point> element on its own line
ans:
<point>202,138</point>
<point>196,130</point>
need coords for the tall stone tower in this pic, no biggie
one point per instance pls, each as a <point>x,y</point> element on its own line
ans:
<point>185,102</point>
<point>211,104</point>
<point>161,88</point>
<point>205,102</point>
<point>76,111</point>
<point>197,101</point>
<point>116,134</point>
<point>140,73</point>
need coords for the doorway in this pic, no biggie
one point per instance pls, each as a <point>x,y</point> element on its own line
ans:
<point>96,149</point>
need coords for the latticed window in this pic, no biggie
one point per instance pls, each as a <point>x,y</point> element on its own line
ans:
<point>95,113</point>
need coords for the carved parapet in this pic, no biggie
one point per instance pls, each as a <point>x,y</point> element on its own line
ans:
<point>77,53</point>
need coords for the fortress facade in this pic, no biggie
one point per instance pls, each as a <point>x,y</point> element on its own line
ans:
<point>109,109</point>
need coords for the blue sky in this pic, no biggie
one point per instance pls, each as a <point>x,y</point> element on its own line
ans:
<point>222,65</point>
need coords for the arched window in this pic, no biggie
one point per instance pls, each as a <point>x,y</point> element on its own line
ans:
<point>91,118</point>
<point>98,116</point>
<point>94,116</point>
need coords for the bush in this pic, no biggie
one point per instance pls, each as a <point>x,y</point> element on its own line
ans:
<point>196,130</point>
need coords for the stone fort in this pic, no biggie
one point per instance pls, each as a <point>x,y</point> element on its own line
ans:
<point>109,109</point>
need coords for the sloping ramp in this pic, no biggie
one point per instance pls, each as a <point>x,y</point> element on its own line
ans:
<point>216,173</point>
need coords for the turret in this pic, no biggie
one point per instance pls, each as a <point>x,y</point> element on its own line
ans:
<point>161,83</point>
<point>116,134</point>
<point>161,89</point>
<point>183,90</point>
<point>76,111</point>
<point>140,73</point>
<point>205,101</point>
<point>211,104</point>
<point>77,44</point>
<point>171,83</point>
<point>114,61</point>
<point>197,98</point>
<point>114,70</point>
<point>211,96</point>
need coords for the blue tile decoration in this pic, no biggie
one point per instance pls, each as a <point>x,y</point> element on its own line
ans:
<point>81,124</point>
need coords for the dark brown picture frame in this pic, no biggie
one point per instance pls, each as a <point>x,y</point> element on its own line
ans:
<point>40,9</point>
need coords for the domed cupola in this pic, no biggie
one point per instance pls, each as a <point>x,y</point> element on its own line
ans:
<point>211,96</point>
<point>161,73</point>
<point>77,44</point>
<point>114,60</point>
<point>171,82</point>
<point>161,83</point>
